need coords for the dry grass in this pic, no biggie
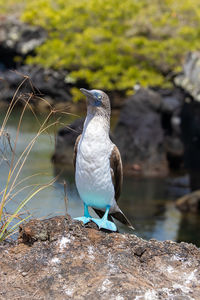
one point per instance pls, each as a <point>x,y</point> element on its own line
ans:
<point>9,222</point>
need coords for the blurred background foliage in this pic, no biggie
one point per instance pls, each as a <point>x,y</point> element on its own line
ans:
<point>113,44</point>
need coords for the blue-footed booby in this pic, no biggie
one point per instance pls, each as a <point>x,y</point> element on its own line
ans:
<point>98,166</point>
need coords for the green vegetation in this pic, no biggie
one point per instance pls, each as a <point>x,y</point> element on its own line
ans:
<point>112,44</point>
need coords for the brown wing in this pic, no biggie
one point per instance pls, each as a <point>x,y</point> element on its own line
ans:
<point>116,171</point>
<point>117,178</point>
<point>75,150</point>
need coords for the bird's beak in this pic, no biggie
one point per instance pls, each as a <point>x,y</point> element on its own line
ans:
<point>87,93</point>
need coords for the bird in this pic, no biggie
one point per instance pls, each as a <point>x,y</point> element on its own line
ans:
<point>98,165</point>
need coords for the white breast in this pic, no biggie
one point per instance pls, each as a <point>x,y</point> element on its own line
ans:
<point>93,176</point>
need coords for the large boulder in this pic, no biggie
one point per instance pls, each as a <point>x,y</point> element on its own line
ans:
<point>139,134</point>
<point>60,258</point>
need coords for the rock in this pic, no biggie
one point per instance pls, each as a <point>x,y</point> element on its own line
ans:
<point>65,141</point>
<point>189,202</point>
<point>47,84</point>
<point>139,134</point>
<point>172,100</point>
<point>175,151</point>
<point>59,258</point>
<point>18,39</point>
<point>189,79</point>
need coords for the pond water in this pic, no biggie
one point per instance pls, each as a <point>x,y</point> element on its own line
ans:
<point>148,203</point>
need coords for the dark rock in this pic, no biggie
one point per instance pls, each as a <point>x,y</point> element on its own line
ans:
<point>175,151</point>
<point>189,80</point>
<point>172,102</point>
<point>18,39</point>
<point>75,262</point>
<point>189,202</point>
<point>65,141</point>
<point>139,134</point>
<point>47,84</point>
<point>190,128</point>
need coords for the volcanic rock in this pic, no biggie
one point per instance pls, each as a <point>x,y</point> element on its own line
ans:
<point>139,134</point>
<point>60,258</point>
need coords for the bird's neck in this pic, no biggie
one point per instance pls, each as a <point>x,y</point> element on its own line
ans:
<point>96,124</point>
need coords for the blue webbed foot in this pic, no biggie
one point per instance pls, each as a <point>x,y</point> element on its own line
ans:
<point>105,224</point>
<point>86,218</point>
<point>83,219</point>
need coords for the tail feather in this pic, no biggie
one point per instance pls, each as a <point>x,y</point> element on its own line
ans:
<point>120,216</point>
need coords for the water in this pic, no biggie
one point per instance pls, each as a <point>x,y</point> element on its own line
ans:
<point>148,203</point>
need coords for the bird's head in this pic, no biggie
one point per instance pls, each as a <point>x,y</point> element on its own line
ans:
<point>97,101</point>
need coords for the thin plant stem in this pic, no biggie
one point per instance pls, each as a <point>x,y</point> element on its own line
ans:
<point>11,106</point>
<point>28,149</point>
<point>22,204</point>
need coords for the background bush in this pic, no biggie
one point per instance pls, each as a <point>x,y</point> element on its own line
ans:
<point>112,44</point>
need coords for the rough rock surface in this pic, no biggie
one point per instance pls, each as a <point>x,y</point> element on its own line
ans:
<point>61,259</point>
<point>139,134</point>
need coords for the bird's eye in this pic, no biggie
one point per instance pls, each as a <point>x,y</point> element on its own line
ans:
<point>99,97</point>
